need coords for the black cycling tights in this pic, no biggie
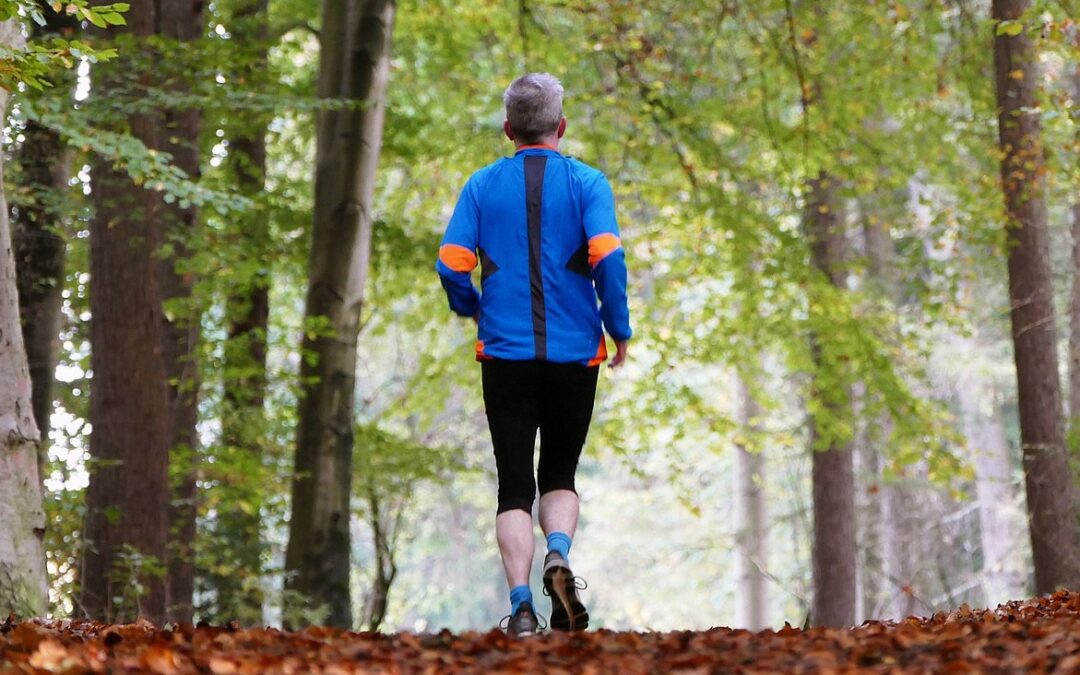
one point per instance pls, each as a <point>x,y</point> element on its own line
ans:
<point>522,397</point>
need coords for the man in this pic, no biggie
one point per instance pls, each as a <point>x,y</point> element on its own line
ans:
<point>542,226</point>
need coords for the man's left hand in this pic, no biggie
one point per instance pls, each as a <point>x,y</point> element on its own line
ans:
<point>620,353</point>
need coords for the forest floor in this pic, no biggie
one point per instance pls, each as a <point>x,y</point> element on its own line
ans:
<point>1040,635</point>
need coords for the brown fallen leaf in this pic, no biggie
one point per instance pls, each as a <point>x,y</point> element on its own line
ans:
<point>53,656</point>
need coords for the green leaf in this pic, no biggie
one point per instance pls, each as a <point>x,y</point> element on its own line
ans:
<point>95,18</point>
<point>1010,27</point>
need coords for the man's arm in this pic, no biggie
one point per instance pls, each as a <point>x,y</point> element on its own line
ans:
<point>457,255</point>
<point>607,259</point>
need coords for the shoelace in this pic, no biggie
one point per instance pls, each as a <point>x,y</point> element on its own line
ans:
<point>579,583</point>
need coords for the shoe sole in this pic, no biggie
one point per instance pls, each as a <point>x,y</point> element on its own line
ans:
<point>567,611</point>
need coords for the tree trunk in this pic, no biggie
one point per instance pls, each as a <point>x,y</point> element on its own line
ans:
<point>1049,490</point>
<point>866,463</point>
<point>23,589</point>
<point>1074,332</point>
<point>182,21</point>
<point>354,65</point>
<point>384,530</point>
<point>834,550</point>
<point>142,400</point>
<point>238,526</point>
<point>44,162</point>
<point>1074,298</point>
<point>752,591</point>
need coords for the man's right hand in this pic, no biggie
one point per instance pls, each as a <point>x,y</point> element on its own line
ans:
<point>620,353</point>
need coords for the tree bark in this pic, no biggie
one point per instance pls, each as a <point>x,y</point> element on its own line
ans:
<point>238,526</point>
<point>23,589</point>
<point>354,65</point>
<point>44,162</point>
<point>384,532</point>
<point>1074,331</point>
<point>1049,491</point>
<point>752,591</point>
<point>1074,297</point>
<point>182,21</point>
<point>832,475</point>
<point>142,400</point>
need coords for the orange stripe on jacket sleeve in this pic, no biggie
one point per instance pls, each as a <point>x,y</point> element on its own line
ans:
<point>457,258</point>
<point>601,246</point>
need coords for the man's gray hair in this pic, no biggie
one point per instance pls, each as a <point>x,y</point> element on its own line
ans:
<point>534,106</point>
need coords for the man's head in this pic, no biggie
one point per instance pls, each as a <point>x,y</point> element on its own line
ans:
<point>534,109</point>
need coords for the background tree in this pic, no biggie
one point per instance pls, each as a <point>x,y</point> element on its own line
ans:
<point>42,164</point>
<point>1074,297</point>
<point>181,23</point>
<point>1050,494</point>
<point>354,66</point>
<point>833,472</point>
<point>23,588</point>
<point>753,533</point>
<point>239,547</point>
<point>143,395</point>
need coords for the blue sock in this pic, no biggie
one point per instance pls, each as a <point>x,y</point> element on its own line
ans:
<point>518,595</point>
<point>560,541</point>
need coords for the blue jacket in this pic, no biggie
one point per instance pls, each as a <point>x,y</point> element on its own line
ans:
<point>542,226</point>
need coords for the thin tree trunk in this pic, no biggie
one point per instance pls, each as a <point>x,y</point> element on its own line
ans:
<point>23,589</point>
<point>866,463</point>
<point>1074,298</point>
<point>238,525</point>
<point>384,531</point>
<point>834,548</point>
<point>44,162</point>
<point>1049,491</point>
<point>142,400</point>
<point>40,251</point>
<point>354,64</point>
<point>1074,330</point>
<point>752,591</point>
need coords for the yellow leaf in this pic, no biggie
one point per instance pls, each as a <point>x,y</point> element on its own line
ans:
<point>1017,74</point>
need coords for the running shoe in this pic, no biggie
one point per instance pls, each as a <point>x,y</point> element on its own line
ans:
<point>523,623</point>
<point>567,611</point>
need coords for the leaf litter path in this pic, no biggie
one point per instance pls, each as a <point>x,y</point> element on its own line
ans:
<point>1040,635</point>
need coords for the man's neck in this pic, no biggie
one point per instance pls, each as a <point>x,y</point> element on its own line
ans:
<point>548,141</point>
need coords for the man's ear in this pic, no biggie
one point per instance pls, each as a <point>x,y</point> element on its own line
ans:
<point>562,127</point>
<point>507,130</point>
